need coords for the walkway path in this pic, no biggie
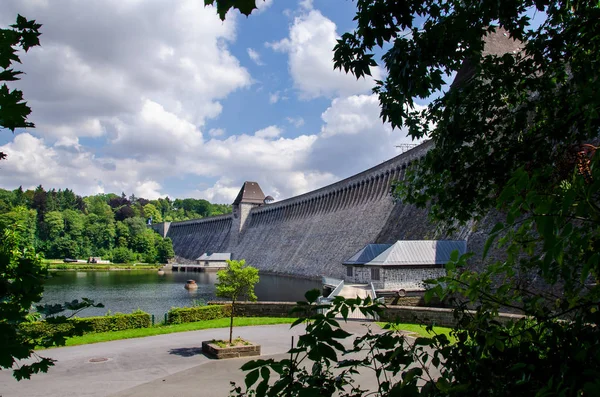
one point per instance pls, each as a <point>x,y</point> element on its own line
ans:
<point>163,365</point>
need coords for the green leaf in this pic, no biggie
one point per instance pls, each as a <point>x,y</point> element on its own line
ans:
<point>312,295</point>
<point>254,364</point>
<point>251,378</point>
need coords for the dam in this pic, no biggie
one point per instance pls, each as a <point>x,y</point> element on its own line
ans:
<point>309,235</point>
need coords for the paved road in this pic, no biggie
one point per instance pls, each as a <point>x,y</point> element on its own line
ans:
<point>163,365</point>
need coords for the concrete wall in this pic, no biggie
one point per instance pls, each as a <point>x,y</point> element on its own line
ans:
<point>431,315</point>
<point>404,314</point>
<point>312,234</point>
<point>161,228</point>
<point>193,238</point>
<point>407,279</point>
<point>209,264</point>
<point>395,278</point>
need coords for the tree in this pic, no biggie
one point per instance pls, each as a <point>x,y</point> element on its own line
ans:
<point>236,282</point>
<point>151,212</point>
<point>164,249</point>
<point>122,255</point>
<point>516,132</point>
<point>13,110</point>
<point>22,275</point>
<point>55,224</point>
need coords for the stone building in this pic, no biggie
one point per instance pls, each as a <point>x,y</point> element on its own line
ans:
<point>213,260</point>
<point>403,265</point>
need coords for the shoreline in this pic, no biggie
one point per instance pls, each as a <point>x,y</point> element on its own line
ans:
<point>91,267</point>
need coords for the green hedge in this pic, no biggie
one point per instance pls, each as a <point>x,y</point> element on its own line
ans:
<point>182,315</point>
<point>87,325</point>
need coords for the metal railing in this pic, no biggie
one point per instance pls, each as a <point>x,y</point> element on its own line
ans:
<point>331,281</point>
<point>336,290</point>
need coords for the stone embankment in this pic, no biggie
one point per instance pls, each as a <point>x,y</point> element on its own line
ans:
<point>404,314</point>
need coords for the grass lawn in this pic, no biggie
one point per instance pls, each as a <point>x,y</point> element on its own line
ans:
<point>421,330</point>
<point>168,329</point>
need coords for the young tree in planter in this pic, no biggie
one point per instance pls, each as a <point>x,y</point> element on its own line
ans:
<point>236,282</point>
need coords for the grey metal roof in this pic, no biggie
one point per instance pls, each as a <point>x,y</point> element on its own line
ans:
<point>419,252</point>
<point>214,256</point>
<point>370,252</point>
<point>250,193</point>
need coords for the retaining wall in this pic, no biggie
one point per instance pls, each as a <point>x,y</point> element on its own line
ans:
<point>406,314</point>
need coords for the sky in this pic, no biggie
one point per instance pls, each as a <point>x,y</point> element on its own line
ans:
<point>161,98</point>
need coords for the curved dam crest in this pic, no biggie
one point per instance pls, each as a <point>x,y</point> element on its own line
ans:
<point>309,235</point>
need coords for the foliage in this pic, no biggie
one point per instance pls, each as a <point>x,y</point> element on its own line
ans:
<point>236,342</point>
<point>23,34</point>
<point>180,315</point>
<point>504,359</point>
<point>223,6</point>
<point>518,132</point>
<point>115,322</point>
<point>109,266</point>
<point>236,282</point>
<point>122,255</point>
<point>64,224</point>
<point>22,275</point>
<point>419,329</point>
<point>164,250</point>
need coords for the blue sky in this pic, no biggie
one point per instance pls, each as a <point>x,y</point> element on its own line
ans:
<point>161,98</point>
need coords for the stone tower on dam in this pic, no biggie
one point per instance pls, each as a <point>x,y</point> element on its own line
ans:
<point>310,234</point>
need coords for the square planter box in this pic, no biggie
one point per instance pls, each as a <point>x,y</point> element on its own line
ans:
<point>214,351</point>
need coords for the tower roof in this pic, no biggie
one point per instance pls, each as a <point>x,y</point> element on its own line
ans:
<point>250,193</point>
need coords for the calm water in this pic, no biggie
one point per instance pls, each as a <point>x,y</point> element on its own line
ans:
<point>124,291</point>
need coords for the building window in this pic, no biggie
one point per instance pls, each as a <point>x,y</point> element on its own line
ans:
<point>349,271</point>
<point>375,274</point>
<point>206,263</point>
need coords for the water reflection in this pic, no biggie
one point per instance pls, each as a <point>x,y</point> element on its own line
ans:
<point>124,291</point>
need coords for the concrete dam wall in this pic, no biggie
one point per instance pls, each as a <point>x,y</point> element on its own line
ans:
<point>311,234</point>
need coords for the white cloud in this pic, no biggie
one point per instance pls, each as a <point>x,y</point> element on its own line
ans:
<point>123,54</point>
<point>214,132</point>
<point>295,121</point>
<point>269,132</point>
<point>255,56</point>
<point>31,162</point>
<point>309,46</point>
<point>154,131</point>
<point>262,5</point>
<point>354,138</point>
<point>306,4</point>
<point>148,189</point>
<point>274,97</point>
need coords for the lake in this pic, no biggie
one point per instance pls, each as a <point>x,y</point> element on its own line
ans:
<point>124,291</point>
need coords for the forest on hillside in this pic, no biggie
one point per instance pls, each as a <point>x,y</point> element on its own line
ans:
<point>62,224</point>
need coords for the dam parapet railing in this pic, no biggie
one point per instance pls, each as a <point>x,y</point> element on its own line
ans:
<point>370,185</point>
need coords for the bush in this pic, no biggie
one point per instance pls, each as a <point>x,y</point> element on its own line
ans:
<point>87,325</point>
<point>121,255</point>
<point>182,315</point>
